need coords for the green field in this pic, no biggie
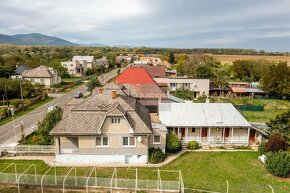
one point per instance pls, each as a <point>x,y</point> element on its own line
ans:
<point>200,170</point>
<point>271,108</point>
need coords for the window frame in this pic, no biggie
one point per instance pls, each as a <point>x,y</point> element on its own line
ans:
<point>128,137</point>
<point>115,120</point>
<point>102,141</point>
<point>154,142</point>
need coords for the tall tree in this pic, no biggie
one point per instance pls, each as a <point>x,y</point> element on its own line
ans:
<point>275,79</point>
<point>171,58</point>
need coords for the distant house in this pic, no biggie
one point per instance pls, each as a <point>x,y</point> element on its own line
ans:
<point>155,71</point>
<point>246,89</point>
<point>19,70</point>
<point>102,62</point>
<point>199,87</point>
<point>88,61</point>
<point>75,68</point>
<point>209,123</point>
<point>106,128</point>
<point>43,75</point>
<point>79,65</point>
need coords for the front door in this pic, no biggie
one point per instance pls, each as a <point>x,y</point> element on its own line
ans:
<point>204,132</point>
<point>227,132</point>
<point>252,136</point>
<point>182,133</point>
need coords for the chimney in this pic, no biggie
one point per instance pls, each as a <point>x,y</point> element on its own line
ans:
<point>114,94</point>
<point>101,90</point>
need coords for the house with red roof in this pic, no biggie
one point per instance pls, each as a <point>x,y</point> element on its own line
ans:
<point>138,83</point>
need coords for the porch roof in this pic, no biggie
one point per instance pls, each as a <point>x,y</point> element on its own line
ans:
<point>201,115</point>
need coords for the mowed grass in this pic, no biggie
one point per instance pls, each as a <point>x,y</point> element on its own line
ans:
<point>271,108</point>
<point>200,170</point>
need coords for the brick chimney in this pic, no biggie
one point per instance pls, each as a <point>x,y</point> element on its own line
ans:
<point>114,94</point>
<point>101,90</point>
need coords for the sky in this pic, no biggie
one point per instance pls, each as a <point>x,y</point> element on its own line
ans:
<point>256,24</point>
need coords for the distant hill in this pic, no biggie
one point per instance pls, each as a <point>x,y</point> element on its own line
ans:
<point>94,45</point>
<point>34,39</point>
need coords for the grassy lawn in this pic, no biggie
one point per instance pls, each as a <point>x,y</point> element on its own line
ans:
<point>271,108</point>
<point>71,79</point>
<point>72,87</point>
<point>200,170</point>
<point>27,110</point>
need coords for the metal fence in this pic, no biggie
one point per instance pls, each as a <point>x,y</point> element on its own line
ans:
<point>90,183</point>
<point>28,148</point>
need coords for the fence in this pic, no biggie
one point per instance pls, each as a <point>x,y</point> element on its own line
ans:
<point>28,149</point>
<point>249,107</point>
<point>89,183</point>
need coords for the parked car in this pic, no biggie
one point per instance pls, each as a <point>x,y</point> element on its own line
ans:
<point>53,107</point>
<point>78,95</point>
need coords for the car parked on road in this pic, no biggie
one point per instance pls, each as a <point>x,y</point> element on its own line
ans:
<point>78,95</point>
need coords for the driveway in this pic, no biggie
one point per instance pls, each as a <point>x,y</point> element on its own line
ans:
<point>30,120</point>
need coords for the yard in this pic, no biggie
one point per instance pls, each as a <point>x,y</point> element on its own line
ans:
<point>200,170</point>
<point>271,108</point>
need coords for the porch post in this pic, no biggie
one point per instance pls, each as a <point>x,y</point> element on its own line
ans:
<point>208,135</point>
<point>186,133</point>
<point>249,135</point>
<point>224,135</point>
<point>178,132</point>
<point>232,134</point>
<point>200,130</point>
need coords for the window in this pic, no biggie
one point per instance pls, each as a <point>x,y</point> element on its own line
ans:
<point>102,141</point>
<point>115,120</point>
<point>42,80</point>
<point>31,80</point>
<point>129,141</point>
<point>193,130</point>
<point>156,139</point>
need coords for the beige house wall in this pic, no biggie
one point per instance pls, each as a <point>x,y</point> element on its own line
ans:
<point>196,133</point>
<point>121,127</point>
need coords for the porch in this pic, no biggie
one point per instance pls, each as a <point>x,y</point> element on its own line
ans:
<point>217,135</point>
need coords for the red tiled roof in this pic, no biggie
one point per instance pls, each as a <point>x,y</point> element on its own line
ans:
<point>134,75</point>
<point>155,71</point>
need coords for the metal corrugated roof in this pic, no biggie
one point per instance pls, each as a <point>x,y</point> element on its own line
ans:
<point>201,114</point>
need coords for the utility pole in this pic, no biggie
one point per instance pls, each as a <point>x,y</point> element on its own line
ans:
<point>5,88</point>
<point>21,94</point>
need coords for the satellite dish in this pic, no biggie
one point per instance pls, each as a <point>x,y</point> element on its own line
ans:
<point>139,139</point>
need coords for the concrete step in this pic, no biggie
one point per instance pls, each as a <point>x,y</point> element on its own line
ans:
<point>205,146</point>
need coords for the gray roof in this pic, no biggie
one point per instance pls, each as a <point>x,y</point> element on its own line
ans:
<point>201,114</point>
<point>81,58</point>
<point>88,116</point>
<point>39,72</point>
<point>102,62</point>
<point>21,68</point>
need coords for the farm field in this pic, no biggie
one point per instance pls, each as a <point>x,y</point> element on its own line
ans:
<point>230,58</point>
<point>200,170</point>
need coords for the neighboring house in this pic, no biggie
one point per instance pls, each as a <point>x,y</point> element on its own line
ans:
<point>106,128</point>
<point>246,89</point>
<point>102,62</point>
<point>155,71</point>
<point>75,68</point>
<point>136,82</point>
<point>199,87</point>
<point>88,61</point>
<point>19,71</point>
<point>79,65</point>
<point>238,84</point>
<point>209,123</point>
<point>43,75</point>
<point>171,73</point>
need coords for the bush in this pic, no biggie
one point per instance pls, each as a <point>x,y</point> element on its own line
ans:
<point>192,145</point>
<point>156,155</point>
<point>261,148</point>
<point>278,163</point>
<point>275,143</point>
<point>173,143</point>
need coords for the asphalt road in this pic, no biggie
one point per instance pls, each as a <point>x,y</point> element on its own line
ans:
<point>30,120</point>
